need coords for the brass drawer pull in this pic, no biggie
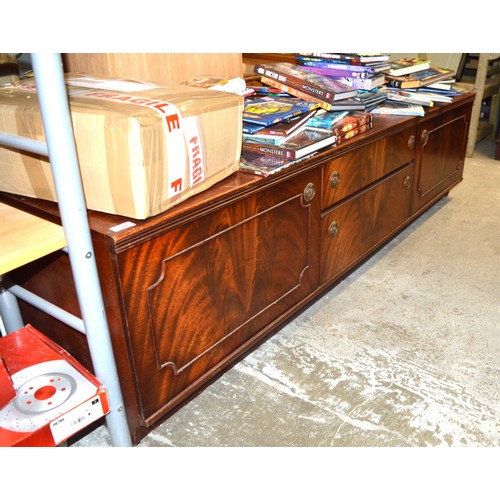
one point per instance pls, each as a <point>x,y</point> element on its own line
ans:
<point>407,182</point>
<point>333,229</point>
<point>411,142</point>
<point>334,179</point>
<point>309,192</point>
<point>425,137</point>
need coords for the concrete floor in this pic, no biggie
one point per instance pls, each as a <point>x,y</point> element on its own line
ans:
<point>405,352</point>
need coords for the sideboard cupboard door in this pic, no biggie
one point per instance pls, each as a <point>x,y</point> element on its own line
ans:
<point>356,227</point>
<point>442,142</point>
<point>200,295</point>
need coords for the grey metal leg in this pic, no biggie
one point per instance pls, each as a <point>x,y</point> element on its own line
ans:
<point>9,310</point>
<point>63,158</point>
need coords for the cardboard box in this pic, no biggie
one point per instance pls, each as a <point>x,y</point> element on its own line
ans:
<point>50,395</point>
<point>142,148</point>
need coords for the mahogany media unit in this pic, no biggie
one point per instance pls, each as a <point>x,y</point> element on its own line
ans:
<point>191,290</point>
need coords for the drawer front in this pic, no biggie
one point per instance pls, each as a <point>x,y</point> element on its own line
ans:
<point>353,171</point>
<point>355,228</point>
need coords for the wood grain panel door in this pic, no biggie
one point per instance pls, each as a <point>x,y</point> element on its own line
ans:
<point>198,296</point>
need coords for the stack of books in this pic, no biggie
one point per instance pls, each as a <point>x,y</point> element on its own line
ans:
<point>359,71</point>
<point>303,83</point>
<point>413,84</point>
<point>321,130</point>
<point>415,73</point>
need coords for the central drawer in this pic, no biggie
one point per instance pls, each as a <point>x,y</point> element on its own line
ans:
<point>353,171</point>
<point>354,228</point>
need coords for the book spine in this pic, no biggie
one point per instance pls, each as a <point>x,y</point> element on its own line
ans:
<point>337,72</point>
<point>296,93</point>
<point>295,82</point>
<point>352,122</point>
<point>400,84</point>
<point>268,150</point>
<point>354,132</point>
<point>356,69</point>
<point>364,83</point>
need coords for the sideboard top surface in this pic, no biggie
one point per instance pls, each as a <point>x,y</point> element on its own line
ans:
<point>123,231</point>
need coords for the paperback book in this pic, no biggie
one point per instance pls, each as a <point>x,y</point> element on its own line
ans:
<point>406,66</point>
<point>304,143</point>
<point>347,56</point>
<point>397,108</point>
<point>273,109</point>
<point>420,78</point>
<point>321,87</point>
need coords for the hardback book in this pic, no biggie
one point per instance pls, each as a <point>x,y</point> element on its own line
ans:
<point>343,104</point>
<point>277,133</point>
<point>336,70</point>
<point>268,110</point>
<point>304,143</point>
<point>397,108</point>
<point>418,96</point>
<point>286,127</point>
<point>263,165</point>
<point>298,77</point>
<point>420,78</point>
<point>251,128</point>
<point>407,65</point>
<point>271,140</point>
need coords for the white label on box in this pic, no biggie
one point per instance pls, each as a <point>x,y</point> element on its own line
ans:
<point>76,419</point>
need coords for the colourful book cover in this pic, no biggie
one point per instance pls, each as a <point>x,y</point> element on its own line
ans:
<point>407,65</point>
<point>420,78</point>
<point>332,69</point>
<point>304,143</point>
<point>273,109</point>
<point>326,119</point>
<point>321,87</point>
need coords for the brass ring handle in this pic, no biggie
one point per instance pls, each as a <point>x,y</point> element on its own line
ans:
<point>424,137</point>
<point>334,179</point>
<point>333,229</point>
<point>309,192</point>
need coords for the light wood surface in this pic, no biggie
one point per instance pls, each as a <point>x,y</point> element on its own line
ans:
<point>156,67</point>
<point>25,237</point>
